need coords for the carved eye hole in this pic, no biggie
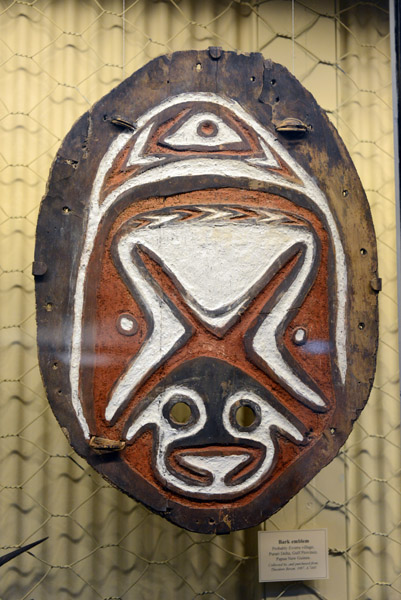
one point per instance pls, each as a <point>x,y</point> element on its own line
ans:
<point>126,324</point>
<point>245,415</point>
<point>202,130</point>
<point>181,411</point>
<point>207,129</point>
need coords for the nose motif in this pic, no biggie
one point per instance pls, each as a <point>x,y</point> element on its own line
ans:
<point>217,289</point>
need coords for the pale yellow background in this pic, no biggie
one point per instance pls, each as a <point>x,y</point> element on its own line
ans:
<point>57,58</point>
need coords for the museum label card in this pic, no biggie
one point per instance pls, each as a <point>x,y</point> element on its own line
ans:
<point>293,555</point>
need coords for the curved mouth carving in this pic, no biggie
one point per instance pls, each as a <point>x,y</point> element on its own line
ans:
<point>213,142</point>
<point>214,467</point>
<point>217,470</point>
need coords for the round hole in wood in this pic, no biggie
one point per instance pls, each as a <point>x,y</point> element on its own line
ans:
<point>180,413</point>
<point>245,416</point>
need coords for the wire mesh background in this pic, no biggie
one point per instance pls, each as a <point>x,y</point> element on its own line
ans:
<point>57,58</point>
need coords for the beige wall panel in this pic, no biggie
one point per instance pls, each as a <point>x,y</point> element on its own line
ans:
<point>372,458</point>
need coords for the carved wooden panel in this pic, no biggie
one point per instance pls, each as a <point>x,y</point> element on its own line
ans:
<point>206,286</point>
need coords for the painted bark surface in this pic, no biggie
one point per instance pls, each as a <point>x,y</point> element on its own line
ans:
<point>214,310</point>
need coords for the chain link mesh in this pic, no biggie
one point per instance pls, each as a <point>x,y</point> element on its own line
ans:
<point>56,59</point>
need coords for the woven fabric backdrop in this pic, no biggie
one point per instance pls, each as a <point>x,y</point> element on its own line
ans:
<point>56,59</point>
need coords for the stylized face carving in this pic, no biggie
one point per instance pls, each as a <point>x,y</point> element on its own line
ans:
<point>211,279</point>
